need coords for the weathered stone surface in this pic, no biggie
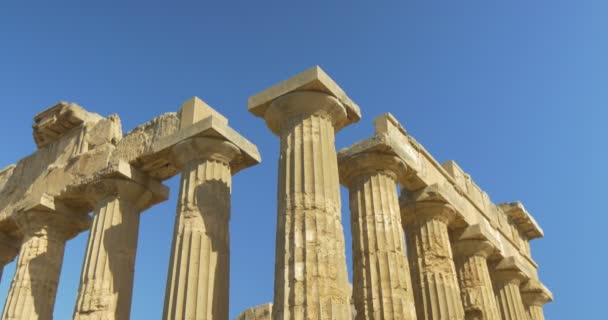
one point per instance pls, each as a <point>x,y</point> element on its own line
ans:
<point>507,277</point>
<point>118,197</point>
<point>535,295</point>
<point>201,244</point>
<point>381,274</point>
<point>471,250</point>
<point>46,226</point>
<point>310,268</point>
<point>261,312</point>
<point>434,279</point>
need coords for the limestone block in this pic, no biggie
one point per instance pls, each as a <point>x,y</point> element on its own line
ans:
<point>261,312</point>
<point>59,119</point>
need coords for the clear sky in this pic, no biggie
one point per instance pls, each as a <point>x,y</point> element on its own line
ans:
<point>514,91</point>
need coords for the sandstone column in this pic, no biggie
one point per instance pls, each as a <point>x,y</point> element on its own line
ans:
<point>381,277</point>
<point>107,274</point>
<point>310,270</point>
<point>33,290</point>
<point>9,247</point>
<point>199,269</point>
<point>434,279</point>
<point>506,282</point>
<point>534,295</point>
<point>207,152</point>
<point>470,256</point>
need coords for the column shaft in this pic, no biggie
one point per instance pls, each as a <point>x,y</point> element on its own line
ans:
<point>381,277</point>
<point>476,288</point>
<point>198,281</point>
<point>436,290</point>
<point>106,282</point>
<point>34,287</point>
<point>508,296</point>
<point>310,270</point>
<point>536,312</point>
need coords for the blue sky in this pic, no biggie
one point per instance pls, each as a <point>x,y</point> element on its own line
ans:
<point>514,91</point>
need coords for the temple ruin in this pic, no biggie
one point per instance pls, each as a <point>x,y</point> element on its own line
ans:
<point>427,242</point>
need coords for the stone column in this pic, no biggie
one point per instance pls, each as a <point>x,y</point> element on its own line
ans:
<point>382,286</point>
<point>310,270</point>
<point>508,296</point>
<point>436,290</point>
<point>33,290</point>
<point>535,296</point>
<point>9,247</point>
<point>476,289</point>
<point>106,282</point>
<point>199,269</point>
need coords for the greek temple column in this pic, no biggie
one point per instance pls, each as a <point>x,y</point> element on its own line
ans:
<point>436,290</point>
<point>33,290</point>
<point>470,256</point>
<point>506,279</point>
<point>535,295</point>
<point>382,287</point>
<point>199,268</point>
<point>106,282</point>
<point>310,270</point>
<point>9,247</point>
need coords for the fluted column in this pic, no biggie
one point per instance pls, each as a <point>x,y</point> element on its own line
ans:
<point>310,269</point>
<point>34,287</point>
<point>198,280</point>
<point>508,295</point>
<point>106,282</point>
<point>9,247</point>
<point>436,289</point>
<point>534,296</point>
<point>382,286</point>
<point>476,289</point>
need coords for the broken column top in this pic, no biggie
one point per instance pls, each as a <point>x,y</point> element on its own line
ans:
<point>52,123</point>
<point>313,79</point>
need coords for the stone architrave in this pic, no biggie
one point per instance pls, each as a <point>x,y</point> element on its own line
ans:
<point>46,226</point>
<point>306,111</point>
<point>471,250</point>
<point>261,312</point>
<point>507,278</point>
<point>535,295</point>
<point>436,291</point>
<point>198,279</point>
<point>9,247</point>
<point>117,196</point>
<point>382,286</point>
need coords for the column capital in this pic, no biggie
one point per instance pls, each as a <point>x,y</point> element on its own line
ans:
<point>427,203</point>
<point>473,247</point>
<point>368,164</point>
<point>534,293</point>
<point>204,148</point>
<point>107,189</point>
<point>311,92</point>
<point>508,270</point>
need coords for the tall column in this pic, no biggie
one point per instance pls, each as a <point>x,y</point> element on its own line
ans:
<point>310,269</point>
<point>535,296</point>
<point>470,257</point>
<point>382,286</point>
<point>506,287</point>
<point>33,290</point>
<point>198,280</point>
<point>9,247</point>
<point>436,290</point>
<point>106,282</point>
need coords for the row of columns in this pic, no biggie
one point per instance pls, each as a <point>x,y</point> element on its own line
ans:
<point>447,280</point>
